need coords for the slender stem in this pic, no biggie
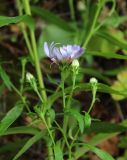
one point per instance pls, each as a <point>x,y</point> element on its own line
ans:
<point>23,62</point>
<point>39,95</point>
<point>69,104</point>
<point>22,98</point>
<point>23,28</point>
<point>50,150</point>
<point>92,26</point>
<point>50,134</point>
<point>35,52</point>
<point>71,5</point>
<point>39,74</point>
<point>34,55</point>
<point>70,155</point>
<point>63,91</point>
<point>93,99</point>
<point>75,137</point>
<point>66,140</point>
<point>66,118</point>
<point>73,87</point>
<point>37,65</point>
<point>64,135</point>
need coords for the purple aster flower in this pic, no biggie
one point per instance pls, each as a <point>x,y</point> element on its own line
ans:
<point>62,54</point>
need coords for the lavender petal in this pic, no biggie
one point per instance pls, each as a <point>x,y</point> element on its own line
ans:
<point>46,49</point>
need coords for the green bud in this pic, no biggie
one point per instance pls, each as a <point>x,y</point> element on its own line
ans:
<point>29,77</point>
<point>75,64</point>
<point>81,6</point>
<point>93,81</point>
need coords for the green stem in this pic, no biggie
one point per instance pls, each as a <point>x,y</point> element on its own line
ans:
<point>92,26</point>
<point>22,98</point>
<point>69,104</point>
<point>37,65</point>
<point>23,28</point>
<point>26,4</point>
<point>93,99</point>
<point>63,92</point>
<point>50,134</point>
<point>66,118</point>
<point>35,52</point>
<point>23,62</point>
<point>71,5</point>
<point>66,140</point>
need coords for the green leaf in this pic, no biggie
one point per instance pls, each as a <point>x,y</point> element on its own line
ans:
<point>78,117</point>
<point>115,20</point>
<point>10,117</point>
<point>114,72</point>
<point>108,55</point>
<point>4,20</point>
<point>102,154</point>
<point>52,18</point>
<point>12,146</point>
<point>112,39</point>
<point>5,78</point>
<point>85,87</point>
<point>120,84</point>
<point>105,127</point>
<point>20,130</point>
<point>101,88</point>
<point>58,151</point>
<point>96,73</point>
<point>51,113</point>
<point>97,139</point>
<point>28,144</point>
<point>87,120</point>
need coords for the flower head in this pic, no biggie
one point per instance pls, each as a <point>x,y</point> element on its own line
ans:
<point>62,54</point>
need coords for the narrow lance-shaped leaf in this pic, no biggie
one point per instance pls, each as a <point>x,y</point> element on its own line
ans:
<point>52,18</point>
<point>112,39</point>
<point>102,154</point>
<point>79,118</point>
<point>5,78</point>
<point>4,20</point>
<point>28,144</point>
<point>20,130</point>
<point>58,151</point>
<point>10,117</point>
<point>108,55</point>
<point>97,139</point>
<point>87,120</point>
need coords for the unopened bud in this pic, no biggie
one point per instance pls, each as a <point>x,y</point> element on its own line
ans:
<point>81,6</point>
<point>31,79</point>
<point>29,76</point>
<point>75,64</point>
<point>93,80</point>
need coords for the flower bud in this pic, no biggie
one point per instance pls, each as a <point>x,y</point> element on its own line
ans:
<point>31,79</point>
<point>93,81</point>
<point>29,76</point>
<point>81,6</point>
<point>75,64</point>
